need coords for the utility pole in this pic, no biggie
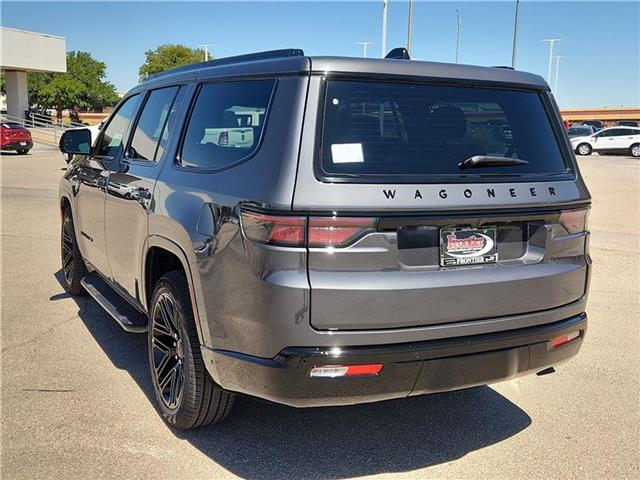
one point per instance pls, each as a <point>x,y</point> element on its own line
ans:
<point>206,50</point>
<point>459,20</point>
<point>385,6</point>
<point>551,42</point>
<point>410,27</point>
<point>514,49</point>
<point>555,81</point>
<point>365,45</point>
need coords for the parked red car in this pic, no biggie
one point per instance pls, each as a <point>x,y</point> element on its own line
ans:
<point>14,136</point>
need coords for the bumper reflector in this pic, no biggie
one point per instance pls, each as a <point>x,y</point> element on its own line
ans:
<point>561,340</point>
<point>334,371</point>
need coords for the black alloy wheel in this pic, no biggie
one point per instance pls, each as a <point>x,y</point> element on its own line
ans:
<point>73,268</point>
<point>167,351</point>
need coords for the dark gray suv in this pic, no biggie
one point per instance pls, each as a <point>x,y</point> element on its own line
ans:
<point>328,231</point>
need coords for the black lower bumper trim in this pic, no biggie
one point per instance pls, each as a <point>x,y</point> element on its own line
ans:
<point>409,369</point>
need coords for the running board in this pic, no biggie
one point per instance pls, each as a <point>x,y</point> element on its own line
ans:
<point>127,316</point>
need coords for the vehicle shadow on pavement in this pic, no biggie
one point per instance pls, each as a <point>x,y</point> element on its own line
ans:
<point>269,441</point>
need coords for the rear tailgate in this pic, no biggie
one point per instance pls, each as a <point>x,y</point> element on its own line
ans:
<point>395,277</point>
<point>391,151</point>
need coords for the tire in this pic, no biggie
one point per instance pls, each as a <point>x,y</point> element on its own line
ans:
<point>186,396</point>
<point>584,149</point>
<point>23,151</point>
<point>634,150</point>
<point>73,267</point>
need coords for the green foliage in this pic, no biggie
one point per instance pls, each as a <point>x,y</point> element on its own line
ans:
<point>82,86</point>
<point>168,56</point>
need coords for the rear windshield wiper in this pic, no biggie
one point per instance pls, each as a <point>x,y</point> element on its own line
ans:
<point>478,161</point>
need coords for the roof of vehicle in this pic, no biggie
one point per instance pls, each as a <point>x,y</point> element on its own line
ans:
<point>293,61</point>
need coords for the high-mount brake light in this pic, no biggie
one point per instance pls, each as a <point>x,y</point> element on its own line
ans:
<point>574,221</point>
<point>336,371</point>
<point>337,231</point>
<point>284,230</point>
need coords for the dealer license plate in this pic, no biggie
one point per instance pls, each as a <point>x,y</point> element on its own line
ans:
<point>468,246</point>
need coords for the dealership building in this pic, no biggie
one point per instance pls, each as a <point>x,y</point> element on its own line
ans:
<point>23,52</point>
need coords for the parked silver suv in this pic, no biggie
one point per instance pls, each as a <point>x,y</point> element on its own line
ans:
<point>329,231</point>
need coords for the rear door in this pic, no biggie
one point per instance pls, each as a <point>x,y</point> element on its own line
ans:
<point>130,188</point>
<point>402,236</point>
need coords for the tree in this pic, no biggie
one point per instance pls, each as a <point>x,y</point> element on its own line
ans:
<point>168,56</point>
<point>83,85</point>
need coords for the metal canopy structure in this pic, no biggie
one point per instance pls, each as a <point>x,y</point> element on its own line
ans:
<point>22,52</point>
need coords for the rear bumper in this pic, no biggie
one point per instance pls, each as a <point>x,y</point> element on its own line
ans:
<point>16,145</point>
<point>409,369</point>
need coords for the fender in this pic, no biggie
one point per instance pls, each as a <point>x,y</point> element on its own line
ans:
<point>173,247</point>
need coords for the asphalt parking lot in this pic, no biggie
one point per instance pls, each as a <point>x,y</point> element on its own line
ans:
<point>77,401</point>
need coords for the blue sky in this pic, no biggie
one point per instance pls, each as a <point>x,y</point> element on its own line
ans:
<point>601,46</point>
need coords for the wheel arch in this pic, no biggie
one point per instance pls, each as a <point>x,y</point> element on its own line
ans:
<point>161,256</point>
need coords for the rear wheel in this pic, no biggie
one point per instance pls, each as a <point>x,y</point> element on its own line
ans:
<point>23,151</point>
<point>635,150</point>
<point>584,149</point>
<point>186,395</point>
<point>73,268</point>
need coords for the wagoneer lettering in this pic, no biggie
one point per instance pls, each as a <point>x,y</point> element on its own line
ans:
<point>321,231</point>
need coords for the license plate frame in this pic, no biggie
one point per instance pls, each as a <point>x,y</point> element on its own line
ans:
<point>23,144</point>
<point>463,245</point>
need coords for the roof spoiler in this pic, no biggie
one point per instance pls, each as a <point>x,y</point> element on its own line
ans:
<point>249,57</point>
<point>399,53</point>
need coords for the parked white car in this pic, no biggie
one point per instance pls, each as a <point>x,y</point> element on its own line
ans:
<point>614,140</point>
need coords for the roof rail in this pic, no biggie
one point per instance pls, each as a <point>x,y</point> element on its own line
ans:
<point>504,67</point>
<point>249,57</point>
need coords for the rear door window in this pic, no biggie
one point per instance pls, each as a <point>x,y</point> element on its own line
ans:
<point>226,123</point>
<point>414,132</point>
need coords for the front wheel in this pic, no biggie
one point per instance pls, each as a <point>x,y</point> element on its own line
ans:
<point>635,150</point>
<point>584,149</point>
<point>73,268</point>
<point>186,395</point>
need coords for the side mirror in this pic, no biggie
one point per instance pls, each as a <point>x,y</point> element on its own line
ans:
<point>76,142</point>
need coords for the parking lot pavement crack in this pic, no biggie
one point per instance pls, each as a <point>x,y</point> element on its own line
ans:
<point>38,336</point>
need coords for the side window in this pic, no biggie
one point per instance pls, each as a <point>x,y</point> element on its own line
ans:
<point>226,123</point>
<point>111,140</point>
<point>152,125</point>
<point>611,133</point>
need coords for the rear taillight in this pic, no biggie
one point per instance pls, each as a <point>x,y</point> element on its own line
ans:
<point>337,231</point>
<point>574,221</point>
<point>296,231</point>
<point>274,229</point>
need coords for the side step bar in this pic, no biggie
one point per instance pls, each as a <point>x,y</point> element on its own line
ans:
<point>127,316</point>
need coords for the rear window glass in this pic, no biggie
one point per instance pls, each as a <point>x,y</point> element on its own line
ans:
<point>226,123</point>
<point>407,130</point>
<point>12,125</point>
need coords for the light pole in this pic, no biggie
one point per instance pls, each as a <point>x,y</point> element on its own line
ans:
<point>206,50</point>
<point>385,6</point>
<point>514,49</point>
<point>551,42</point>
<point>459,20</point>
<point>555,81</point>
<point>410,27</point>
<point>365,45</point>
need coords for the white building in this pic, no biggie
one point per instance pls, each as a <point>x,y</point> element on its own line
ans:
<point>22,52</point>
